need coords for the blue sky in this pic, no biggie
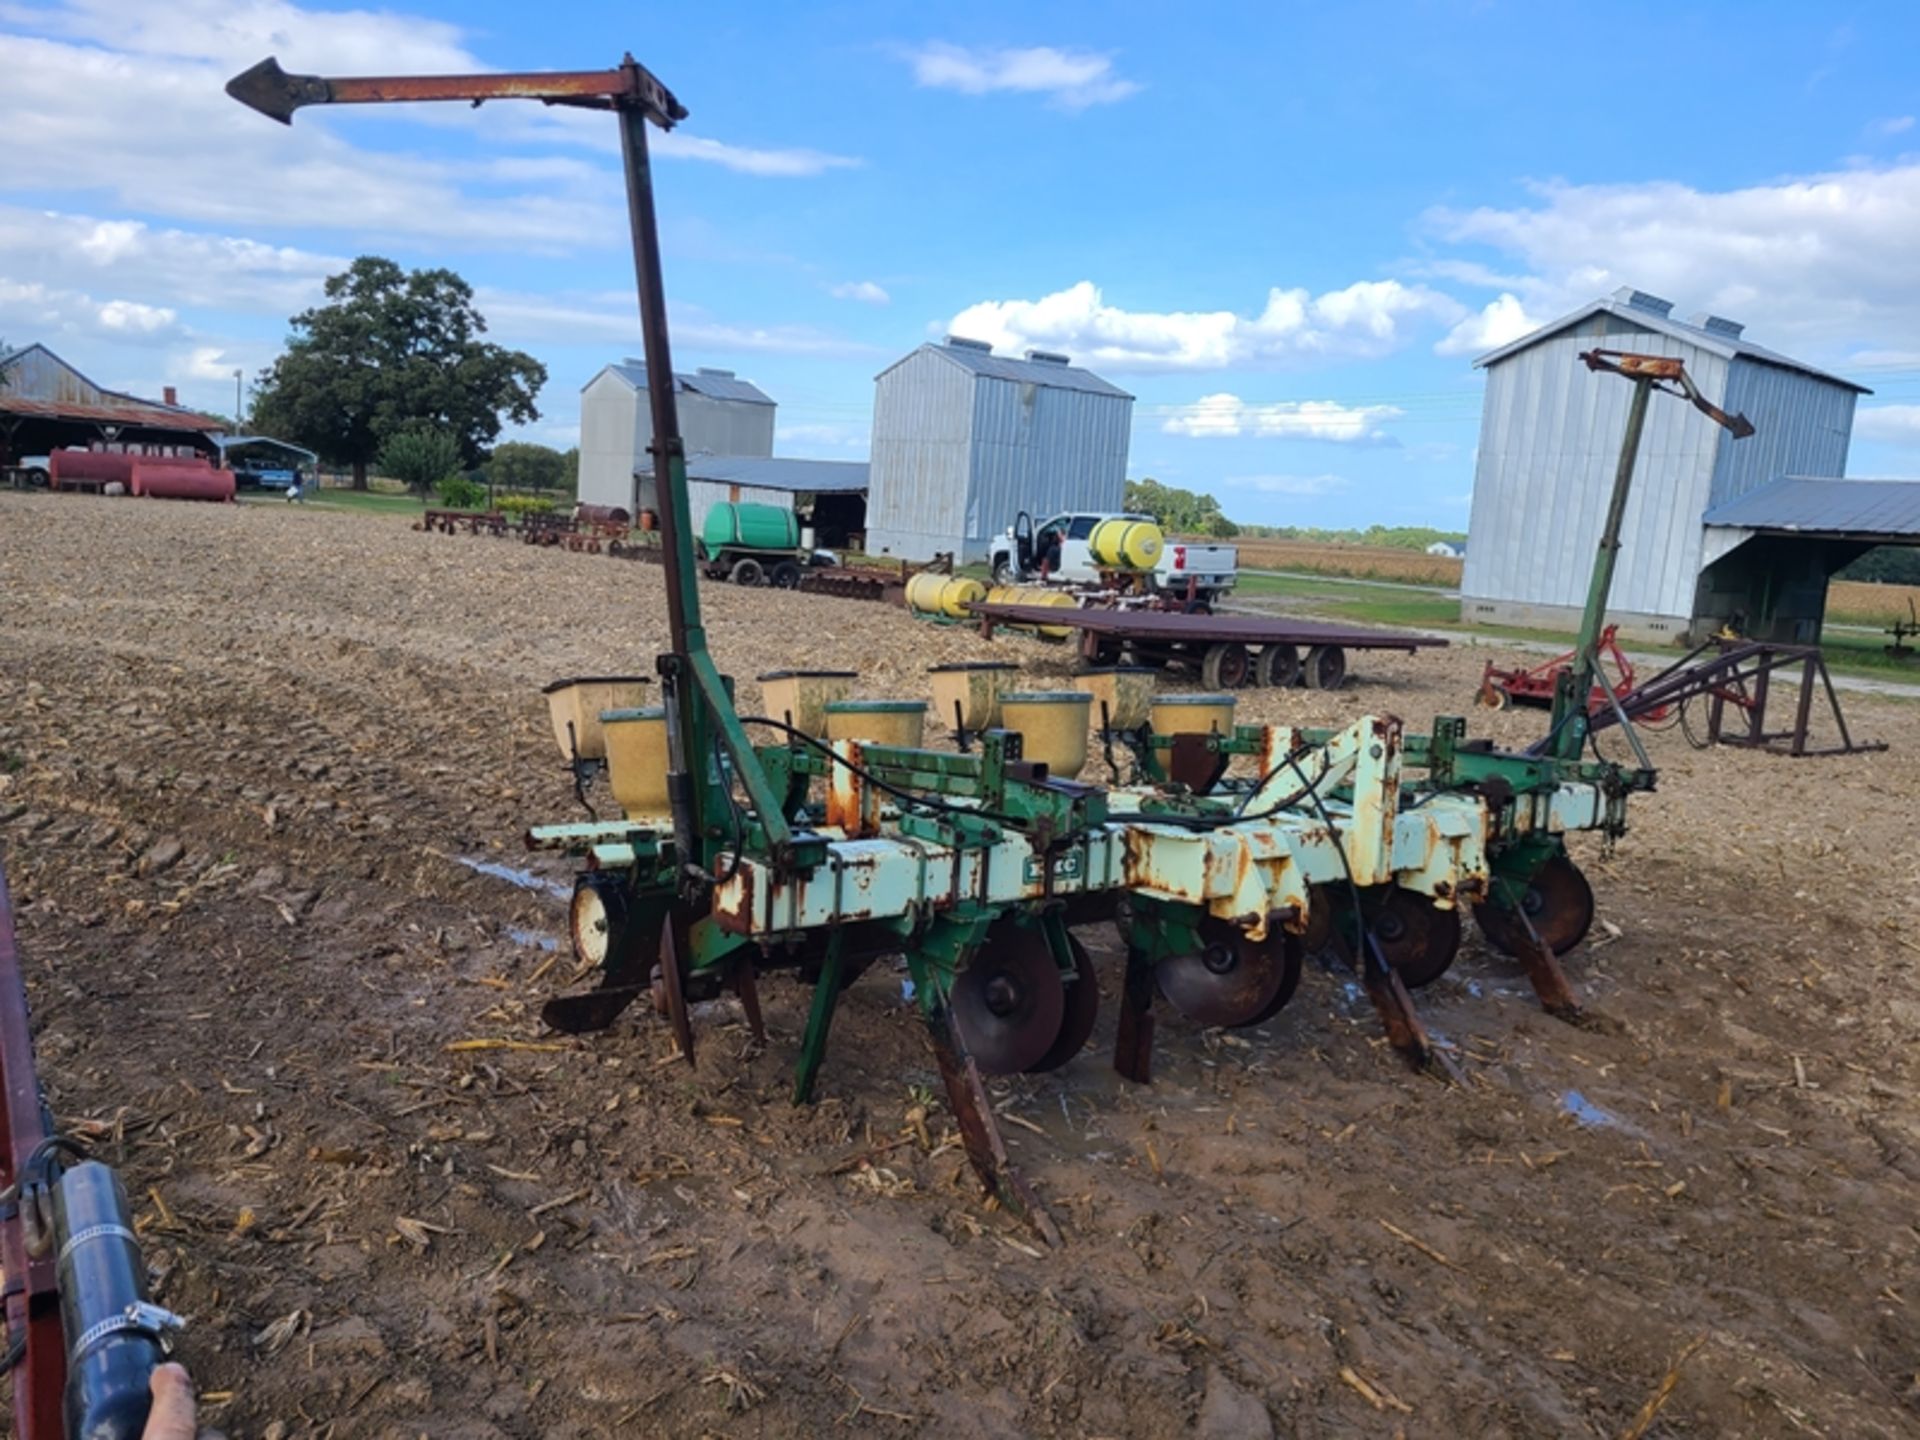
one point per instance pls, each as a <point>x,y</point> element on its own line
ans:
<point>1285,228</point>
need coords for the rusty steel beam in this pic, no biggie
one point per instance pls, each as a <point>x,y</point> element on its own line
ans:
<point>276,94</point>
<point>32,1292</point>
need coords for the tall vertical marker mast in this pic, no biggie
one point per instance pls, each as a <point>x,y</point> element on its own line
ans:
<point>701,712</point>
<point>1573,693</point>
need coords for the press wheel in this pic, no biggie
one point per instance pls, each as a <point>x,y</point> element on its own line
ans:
<point>1082,1009</point>
<point>1558,901</point>
<point>1009,1003</point>
<point>1229,980</point>
<point>597,916</point>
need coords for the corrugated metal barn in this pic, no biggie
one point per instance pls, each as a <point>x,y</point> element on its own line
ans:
<point>1550,436</point>
<point>46,405</point>
<point>963,440</point>
<point>720,414</point>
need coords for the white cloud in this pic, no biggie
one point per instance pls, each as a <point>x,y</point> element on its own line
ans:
<point>116,98</point>
<point>1072,79</point>
<point>865,291</point>
<point>1365,319</point>
<point>1494,325</point>
<point>779,164</point>
<point>1897,423</point>
<point>1809,263</point>
<point>1301,485</point>
<point>33,310</point>
<point>518,318</point>
<point>1224,416</point>
<point>1891,125</point>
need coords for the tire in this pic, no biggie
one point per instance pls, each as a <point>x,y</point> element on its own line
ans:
<point>1198,606</point>
<point>1003,571</point>
<point>786,575</point>
<point>1277,667</point>
<point>746,571</point>
<point>1326,667</point>
<point>1226,667</point>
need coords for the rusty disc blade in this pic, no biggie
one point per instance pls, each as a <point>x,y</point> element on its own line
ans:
<point>1293,950</point>
<point>1230,980</point>
<point>1082,1009</point>
<point>1009,1002</point>
<point>1558,902</point>
<point>1418,938</point>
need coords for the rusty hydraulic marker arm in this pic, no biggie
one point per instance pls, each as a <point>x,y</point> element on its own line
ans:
<point>821,856</point>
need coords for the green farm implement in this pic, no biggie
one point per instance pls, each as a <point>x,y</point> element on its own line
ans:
<point>1228,854</point>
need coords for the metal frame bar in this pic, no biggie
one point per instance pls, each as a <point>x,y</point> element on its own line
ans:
<point>32,1288</point>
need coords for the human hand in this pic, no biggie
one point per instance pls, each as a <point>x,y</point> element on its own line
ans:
<point>174,1415</point>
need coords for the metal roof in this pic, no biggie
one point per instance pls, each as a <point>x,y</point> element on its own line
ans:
<point>1057,373</point>
<point>125,411</point>
<point>818,477</point>
<point>1719,337</point>
<point>1800,504</point>
<point>234,442</point>
<point>714,384</point>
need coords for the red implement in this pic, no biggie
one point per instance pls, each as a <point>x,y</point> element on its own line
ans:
<point>1501,688</point>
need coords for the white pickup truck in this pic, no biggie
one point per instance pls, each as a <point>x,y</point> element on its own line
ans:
<point>1023,554</point>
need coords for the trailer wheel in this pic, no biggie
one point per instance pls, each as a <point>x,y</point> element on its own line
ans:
<point>1277,666</point>
<point>1198,606</point>
<point>746,571</point>
<point>1226,666</point>
<point>786,576</point>
<point>1493,697</point>
<point>1326,667</point>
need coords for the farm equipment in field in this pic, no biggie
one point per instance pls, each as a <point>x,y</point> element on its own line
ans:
<point>82,1337</point>
<point>820,839</point>
<point>1500,688</point>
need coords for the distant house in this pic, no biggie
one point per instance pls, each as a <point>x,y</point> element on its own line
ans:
<point>1446,548</point>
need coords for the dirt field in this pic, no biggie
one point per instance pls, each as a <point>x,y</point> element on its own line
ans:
<point>244,750</point>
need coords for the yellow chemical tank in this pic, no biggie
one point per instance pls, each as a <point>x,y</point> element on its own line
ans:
<point>1052,725</point>
<point>1035,595</point>
<point>1127,544</point>
<point>1125,692</point>
<point>948,595</point>
<point>574,705</point>
<point>801,697</point>
<point>878,722</point>
<point>637,760</point>
<point>1192,715</point>
<point>966,694</point>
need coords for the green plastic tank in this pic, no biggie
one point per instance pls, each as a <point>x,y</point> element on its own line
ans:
<point>736,526</point>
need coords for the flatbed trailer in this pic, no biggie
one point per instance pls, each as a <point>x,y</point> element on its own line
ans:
<point>1228,651</point>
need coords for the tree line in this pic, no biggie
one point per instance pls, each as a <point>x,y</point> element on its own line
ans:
<point>1191,512</point>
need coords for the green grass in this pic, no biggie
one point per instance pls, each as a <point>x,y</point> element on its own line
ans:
<point>1358,600</point>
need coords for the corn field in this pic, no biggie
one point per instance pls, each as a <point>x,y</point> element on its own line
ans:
<point>1360,562</point>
